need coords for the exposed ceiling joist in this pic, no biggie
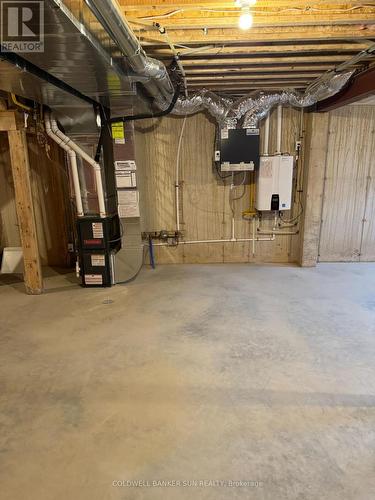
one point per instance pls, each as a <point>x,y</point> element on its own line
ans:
<point>210,63</point>
<point>278,21</point>
<point>271,69</point>
<point>162,51</point>
<point>180,4</point>
<point>253,76</point>
<point>290,43</point>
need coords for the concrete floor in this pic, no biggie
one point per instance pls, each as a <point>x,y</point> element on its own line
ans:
<point>191,373</point>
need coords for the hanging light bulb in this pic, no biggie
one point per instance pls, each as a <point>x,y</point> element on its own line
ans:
<point>246,19</point>
<point>245,3</point>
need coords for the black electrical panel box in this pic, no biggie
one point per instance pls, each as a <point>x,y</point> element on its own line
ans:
<point>239,149</point>
<point>98,240</point>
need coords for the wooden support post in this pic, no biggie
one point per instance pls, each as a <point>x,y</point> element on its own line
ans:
<point>25,211</point>
<point>315,163</point>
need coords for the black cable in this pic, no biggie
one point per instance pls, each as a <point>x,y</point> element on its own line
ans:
<point>149,115</point>
<point>293,219</point>
<point>99,147</point>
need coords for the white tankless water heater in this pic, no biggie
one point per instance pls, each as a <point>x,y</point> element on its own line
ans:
<point>274,183</point>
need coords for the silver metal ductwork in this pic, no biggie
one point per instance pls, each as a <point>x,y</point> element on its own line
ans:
<point>216,105</point>
<point>102,61</point>
<point>228,112</point>
<point>77,70</point>
<point>158,83</point>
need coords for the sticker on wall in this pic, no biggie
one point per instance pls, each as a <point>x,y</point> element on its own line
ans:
<point>125,165</point>
<point>126,179</point>
<point>128,203</point>
<point>93,279</point>
<point>97,230</point>
<point>118,132</point>
<point>224,133</point>
<point>97,260</point>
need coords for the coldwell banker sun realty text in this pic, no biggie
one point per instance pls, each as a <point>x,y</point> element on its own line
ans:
<point>22,26</point>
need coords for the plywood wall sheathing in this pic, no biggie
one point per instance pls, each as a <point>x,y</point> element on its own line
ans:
<point>205,197</point>
<point>348,217</point>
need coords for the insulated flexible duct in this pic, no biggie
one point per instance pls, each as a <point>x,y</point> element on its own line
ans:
<point>228,112</point>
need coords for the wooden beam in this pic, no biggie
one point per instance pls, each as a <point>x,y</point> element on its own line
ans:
<point>361,87</point>
<point>264,69</point>
<point>217,77</point>
<point>246,83</point>
<point>208,63</point>
<point>25,211</point>
<point>316,145</point>
<point>245,89</point>
<point>268,56</point>
<point>230,20</point>
<point>269,47</point>
<point>216,35</point>
<point>8,121</point>
<point>180,4</point>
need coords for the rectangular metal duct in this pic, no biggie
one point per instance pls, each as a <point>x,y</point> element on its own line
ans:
<point>79,53</point>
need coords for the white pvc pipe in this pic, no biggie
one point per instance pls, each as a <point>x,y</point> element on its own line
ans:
<point>279,128</point>
<point>90,161</point>
<point>77,189</point>
<point>236,240</point>
<point>266,135</point>
<point>233,237</point>
<point>278,233</point>
<point>72,157</point>
<point>253,236</point>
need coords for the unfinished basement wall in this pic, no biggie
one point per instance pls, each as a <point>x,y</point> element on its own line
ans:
<point>50,189</point>
<point>347,232</point>
<point>205,212</point>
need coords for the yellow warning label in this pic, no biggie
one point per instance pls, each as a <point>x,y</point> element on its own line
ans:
<point>118,130</point>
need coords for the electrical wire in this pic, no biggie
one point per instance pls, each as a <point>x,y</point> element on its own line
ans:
<point>232,198</point>
<point>177,179</point>
<point>15,101</point>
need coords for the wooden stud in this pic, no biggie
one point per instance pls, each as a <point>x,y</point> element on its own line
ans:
<point>316,145</point>
<point>8,121</point>
<point>25,211</point>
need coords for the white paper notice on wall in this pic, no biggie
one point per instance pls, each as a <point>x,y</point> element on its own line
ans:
<point>125,165</point>
<point>98,260</point>
<point>128,203</point>
<point>224,133</point>
<point>97,230</point>
<point>93,279</point>
<point>126,179</point>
